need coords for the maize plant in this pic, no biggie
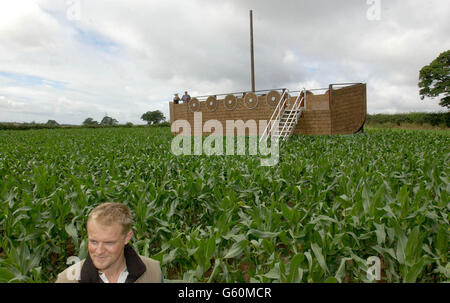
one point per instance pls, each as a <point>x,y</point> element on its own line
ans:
<point>331,204</point>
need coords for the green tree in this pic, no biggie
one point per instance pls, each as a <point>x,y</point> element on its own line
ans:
<point>153,117</point>
<point>109,121</point>
<point>52,123</point>
<point>434,79</point>
<point>90,121</point>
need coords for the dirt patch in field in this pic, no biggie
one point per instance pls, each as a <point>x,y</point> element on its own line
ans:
<point>208,273</point>
<point>245,267</point>
<point>54,258</point>
<point>284,250</point>
<point>173,273</point>
<point>383,270</point>
<point>70,248</point>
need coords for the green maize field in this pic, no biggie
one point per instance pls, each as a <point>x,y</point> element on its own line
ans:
<point>330,204</point>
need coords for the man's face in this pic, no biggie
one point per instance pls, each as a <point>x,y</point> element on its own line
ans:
<point>106,244</point>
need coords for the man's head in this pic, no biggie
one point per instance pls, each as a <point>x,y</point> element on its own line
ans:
<point>109,230</point>
<point>185,93</point>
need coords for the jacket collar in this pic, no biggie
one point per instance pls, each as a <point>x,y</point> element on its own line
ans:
<point>135,267</point>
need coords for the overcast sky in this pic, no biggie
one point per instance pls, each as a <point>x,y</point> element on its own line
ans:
<point>69,60</point>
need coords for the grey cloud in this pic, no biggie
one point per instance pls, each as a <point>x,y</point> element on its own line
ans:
<point>203,46</point>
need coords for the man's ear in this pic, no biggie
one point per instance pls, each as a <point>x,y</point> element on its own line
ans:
<point>128,236</point>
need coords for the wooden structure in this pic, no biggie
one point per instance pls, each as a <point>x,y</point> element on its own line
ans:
<point>341,109</point>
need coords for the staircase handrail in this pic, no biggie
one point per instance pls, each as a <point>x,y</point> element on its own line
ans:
<point>278,108</point>
<point>293,113</point>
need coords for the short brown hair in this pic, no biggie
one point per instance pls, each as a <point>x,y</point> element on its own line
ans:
<point>109,213</point>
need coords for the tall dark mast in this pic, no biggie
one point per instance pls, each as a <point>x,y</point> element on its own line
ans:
<point>251,52</point>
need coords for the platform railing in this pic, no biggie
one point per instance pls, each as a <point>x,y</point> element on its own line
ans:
<point>243,93</point>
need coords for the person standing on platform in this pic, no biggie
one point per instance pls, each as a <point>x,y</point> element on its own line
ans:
<point>176,99</point>
<point>186,98</point>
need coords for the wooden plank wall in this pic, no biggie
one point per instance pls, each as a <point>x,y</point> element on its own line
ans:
<point>263,111</point>
<point>348,109</point>
<point>347,114</point>
<point>317,102</point>
<point>316,120</point>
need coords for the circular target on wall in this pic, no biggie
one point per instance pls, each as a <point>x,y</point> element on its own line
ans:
<point>194,105</point>
<point>273,97</point>
<point>230,102</point>
<point>250,100</point>
<point>211,103</point>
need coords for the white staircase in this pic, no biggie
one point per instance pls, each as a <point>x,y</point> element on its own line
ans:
<point>285,117</point>
<point>288,122</point>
